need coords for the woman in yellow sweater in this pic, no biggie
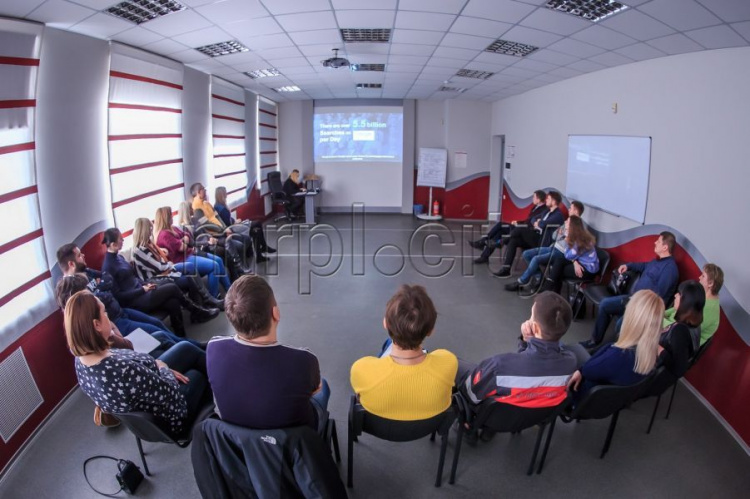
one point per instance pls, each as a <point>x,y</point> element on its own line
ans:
<point>406,383</point>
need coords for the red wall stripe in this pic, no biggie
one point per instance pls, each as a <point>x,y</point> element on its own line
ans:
<point>264,180</point>
<point>21,240</point>
<point>228,155</point>
<point>222,117</point>
<point>19,61</point>
<point>11,104</point>
<point>124,169</point>
<point>117,105</point>
<point>267,138</point>
<point>28,146</point>
<point>267,126</point>
<point>227,99</point>
<point>266,194</point>
<point>230,173</point>
<point>25,287</point>
<point>229,136</point>
<point>236,190</point>
<point>146,195</point>
<point>269,166</point>
<point>267,112</point>
<point>146,136</point>
<point>268,152</point>
<point>129,76</point>
<point>26,191</point>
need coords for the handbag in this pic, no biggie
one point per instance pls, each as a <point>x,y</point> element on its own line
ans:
<point>618,284</point>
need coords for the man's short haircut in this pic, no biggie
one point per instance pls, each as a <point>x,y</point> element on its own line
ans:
<point>578,205</point>
<point>195,188</point>
<point>410,316</point>
<point>540,194</point>
<point>66,254</point>
<point>111,236</point>
<point>715,275</point>
<point>249,306</point>
<point>68,286</point>
<point>556,196</point>
<point>668,239</point>
<point>553,314</point>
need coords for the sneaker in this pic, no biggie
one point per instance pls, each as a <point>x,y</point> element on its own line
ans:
<point>104,419</point>
<point>502,273</point>
<point>513,286</point>
<point>481,260</point>
<point>589,344</point>
<point>487,435</point>
<point>478,244</point>
<point>547,285</point>
<point>270,250</point>
<point>260,259</point>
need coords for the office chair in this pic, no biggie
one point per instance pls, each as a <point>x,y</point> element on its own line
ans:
<point>278,196</point>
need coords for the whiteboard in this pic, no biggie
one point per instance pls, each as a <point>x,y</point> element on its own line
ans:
<point>432,167</point>
<point>610,173</point>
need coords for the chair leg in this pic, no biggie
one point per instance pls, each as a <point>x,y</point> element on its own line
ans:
<point>539,435</point>
<point>350,459</point>
<point>653,415</point>
<point>335,441</point>
<point>456,453</point>
<point>671,399</point>
<point>143,456</point>
<point>610,434</point>
<point>441,462</point>
<point>546,445</point>
<point>578,304</point>
<point>432,437</point>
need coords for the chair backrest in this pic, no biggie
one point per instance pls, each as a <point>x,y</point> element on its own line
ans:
<point>701,351</point>
<point>604,400</point>
<point>634,277</point>
<point>603,256</point>
<point>663,379</point>
<point>146,426</point>
<point>501,417</point>
<point>397,431</point>
<point>274,182</point>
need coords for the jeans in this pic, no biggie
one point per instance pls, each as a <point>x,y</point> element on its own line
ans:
<point>319,402</point>
<point>189,360</point>
<point>209,265</point>
<point>132,319</point>
<point>535,257</point>
<point>612,306</point>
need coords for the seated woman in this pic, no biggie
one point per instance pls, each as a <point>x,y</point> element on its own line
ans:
<point>126,381</point>
<point>681,340</point>
<point>256,228</point>
<point>712,279</point>
<point>151,262</point>
<point>406,384</point>
<point>180,248</point>
<point>132,292</point>
<point>634,355</point>
<point>580,261</point>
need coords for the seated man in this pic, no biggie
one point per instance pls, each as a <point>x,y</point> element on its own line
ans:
<point>536,375</point>
<point>291,188</point>
<point>258,382</point>
<point>406,383</point>
<point>712,279</point>
<point>493,239</point>
<point>536,235</point>
<point>659,275</point>
<point>535,257</point>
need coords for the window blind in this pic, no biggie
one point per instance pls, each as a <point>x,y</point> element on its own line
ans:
<point>228,133</point>
<point>268,142</point>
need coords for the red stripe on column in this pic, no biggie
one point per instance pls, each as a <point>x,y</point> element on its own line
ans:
<point>222,117</point>
<point>230,173</point>
<point>267,138</point>
<point>146,195</point>
<point>268,152</point>
<point>10,196</point>
<point>146,136</point>
<point>129,76</point>
<point>236,190</point>
<point>116,105</point>
<point>19,61</point>
<point>264,180</point>
<point>267,126</point>
<point>266,194</point>
<point>272,165</point>
<point>228,155</point>
<point>125,169</point>
<point>21,240</point>
<point>267,112</point>
<point>227,99</point>
<point>229,136</point>
<point>28,146</point>
<point>10,104</point>
<point>25,287</point>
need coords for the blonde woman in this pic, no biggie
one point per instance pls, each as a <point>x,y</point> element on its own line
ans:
<point>180,248</point>
<point>634,355</point>
<point>221,207</point>
<point>185,216</point>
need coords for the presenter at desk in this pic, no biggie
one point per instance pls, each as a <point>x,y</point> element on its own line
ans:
<point>291,188</point>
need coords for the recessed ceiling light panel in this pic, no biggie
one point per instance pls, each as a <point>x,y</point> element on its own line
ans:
<point>141,11</point>
<point>591,10</point>
<point>355,35</point>
<point>452,89</point>
<point>510,48</point>
<point>222,48</point>
<point>369,85</point>
<point>367,67</point>
<point>263,73</point>
<point>473,73</point>
<point>288,88</point>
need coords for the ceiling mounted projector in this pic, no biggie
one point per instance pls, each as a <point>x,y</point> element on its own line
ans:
<point>336,61</point>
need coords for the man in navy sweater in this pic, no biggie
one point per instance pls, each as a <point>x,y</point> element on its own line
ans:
<point>659,275</point>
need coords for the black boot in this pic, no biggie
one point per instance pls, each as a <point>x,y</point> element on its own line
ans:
<point>197,313</point>
<point>235,264</point>
<point>208,300</point>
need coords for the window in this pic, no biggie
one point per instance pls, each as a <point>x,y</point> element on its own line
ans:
<point>228,125</point>
<point>145,135</point>
<point>268,142</point>
<point>26,285</point>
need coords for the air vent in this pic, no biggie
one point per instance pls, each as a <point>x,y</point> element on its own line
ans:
<point>288,88</point>
<point>591,10</point>
<point>141,11</point>
<point>222,48</point>
<point>19,395</point>
<point>367,67</point>
<point>452,89</point>
<point>510,48</point>
<point>263,73</point>
<point>355,35</point>
<point>473,73</point>
<point>369,85</point>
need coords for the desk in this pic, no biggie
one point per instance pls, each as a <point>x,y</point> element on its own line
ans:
<point>309,205</point>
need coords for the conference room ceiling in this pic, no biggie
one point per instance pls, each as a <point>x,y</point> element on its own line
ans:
<point>430,41</point>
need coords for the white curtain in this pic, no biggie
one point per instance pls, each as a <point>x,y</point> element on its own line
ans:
<point>228,131</point>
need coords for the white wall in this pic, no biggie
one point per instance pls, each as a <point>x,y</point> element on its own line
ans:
<point>196,130</point>
<point>695,106</point>
<point>296,120</point>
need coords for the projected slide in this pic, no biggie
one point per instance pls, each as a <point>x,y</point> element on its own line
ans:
<point>358,136</point>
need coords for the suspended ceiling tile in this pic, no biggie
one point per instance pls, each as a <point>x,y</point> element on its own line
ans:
<point>278,7</point>
<point>586,66</point>
<point>406,59</point>
<point>445,6</point>
<point>332,36</point>
<point>253,27</point>
<point>538,66</point>
<point>743,29</point>
<point>428,21</point>
<point>456,53</point>
<point>137,36</point>
<point>611,59</point>
<point>555,22</point>
<point>552,57</point>
<point>411,49</point>
<point>59,14</point>
<point>365,18</point>
<point>640,52</point>
<point>603,37</point>
<point>675,44</point>
<point>166,46</point>
<point>177,23</point>
<point>101,26</point>
<point>637,25</point>
<point>682,15</point>
<point>729,10</point>
<point>479,27</point>
<point>364,4</point>
<point>303,22</point>
<point>717,37</point>
<point>416,36</point>
<point>230,11</point>
<point>466,41</point>
<point>201,37</point>
<point>189,55</point>
<point>268,42</point>
<point>18,8</point>
<point>497,10</point>
<point>530,36</point>
<point>576,48</point>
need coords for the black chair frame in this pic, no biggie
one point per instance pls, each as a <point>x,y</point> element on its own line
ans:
<point>579,298</point>
<point>278,196</point>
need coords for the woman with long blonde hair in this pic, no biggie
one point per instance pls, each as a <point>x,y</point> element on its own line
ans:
<point>634,355</point>
<point>180,248</point>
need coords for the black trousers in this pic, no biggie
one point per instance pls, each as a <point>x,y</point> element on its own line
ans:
<point>520,237</point>
<point>165,297</point>
<point>563,269</point>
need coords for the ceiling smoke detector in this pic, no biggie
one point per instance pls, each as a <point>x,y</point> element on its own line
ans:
<point>336,61</point>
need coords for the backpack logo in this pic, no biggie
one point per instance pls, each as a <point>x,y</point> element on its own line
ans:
<point>268,439</point>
